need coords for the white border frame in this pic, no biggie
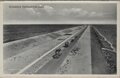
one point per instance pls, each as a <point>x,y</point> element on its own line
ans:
<point>56,75</point>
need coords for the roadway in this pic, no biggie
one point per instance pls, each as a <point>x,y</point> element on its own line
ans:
<point>20,63</point>
<point>79,61</point>
<point>52,66</point>
<point>90,58</point>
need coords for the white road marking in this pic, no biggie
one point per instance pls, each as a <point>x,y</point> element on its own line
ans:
<point>25,68</point>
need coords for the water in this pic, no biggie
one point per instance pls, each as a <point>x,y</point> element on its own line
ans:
<point>16,32</point>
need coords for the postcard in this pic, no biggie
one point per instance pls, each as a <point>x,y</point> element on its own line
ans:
<point>60,38</point>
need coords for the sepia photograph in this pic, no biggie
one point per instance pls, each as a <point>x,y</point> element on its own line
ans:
<point>60,38</point>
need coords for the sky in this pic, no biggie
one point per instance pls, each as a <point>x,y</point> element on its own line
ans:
<point>60,13</point>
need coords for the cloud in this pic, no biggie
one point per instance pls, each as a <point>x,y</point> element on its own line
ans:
<point>39,11</point>
<point>50,10</point>
<point>34,11</point>
<point>31,10</point>
<point>70,11</point>
<point>75,12</point>
<point>96,14</point>
<point>83,13</point>
<point>65,13</point>
<point>91,14</point>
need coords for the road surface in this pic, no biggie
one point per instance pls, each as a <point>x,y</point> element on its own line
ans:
<point>80,60</point>
<point>89,53</point>
<point>53,65</point>
<point>22,60</point>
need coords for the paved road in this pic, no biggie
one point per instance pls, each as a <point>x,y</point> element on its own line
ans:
<point>19,61</point>
<point>89,60</point>
<point>17,47</point>
<point>79,63</point>
<point>52,66</point>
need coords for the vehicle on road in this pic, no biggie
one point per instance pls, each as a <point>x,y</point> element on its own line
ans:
<point>72,40</point>
<point>76,36</point>
<point>57,54</point>
<point>67,34</point>
<point>66,44</point>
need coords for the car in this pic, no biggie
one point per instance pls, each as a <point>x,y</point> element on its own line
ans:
<point>72,40</point>
<point>67,34</point>
<point>61,39</point>
<point>57,54</point>
<point>66,44</point>
<point>76,36</point>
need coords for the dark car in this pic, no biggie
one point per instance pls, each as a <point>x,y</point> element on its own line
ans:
<point>72,40</point>
<point>76,36</point>
<point>66,44</point>
<point>57,54</point>
<point>67,34</point>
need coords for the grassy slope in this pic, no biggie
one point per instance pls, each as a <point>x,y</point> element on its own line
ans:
<point>109,31</point>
